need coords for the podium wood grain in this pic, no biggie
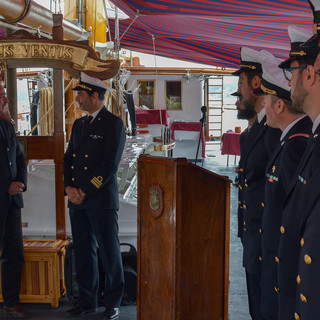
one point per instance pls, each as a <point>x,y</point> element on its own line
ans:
<point>183,255</point>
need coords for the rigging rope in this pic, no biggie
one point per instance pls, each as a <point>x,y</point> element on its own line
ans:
<point>135,18</point>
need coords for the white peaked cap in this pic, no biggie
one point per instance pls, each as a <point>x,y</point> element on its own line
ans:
<point>316,4</point>
<point>298,50</point>
<point>265,54</point>
<point>273,80</point>
<point>250,60</point>
<point>91,84</point>
<point>248,54</point>
<point>297,34</point>
<point>93,81</point>
<point>273,74</point>
<point>314,40</point>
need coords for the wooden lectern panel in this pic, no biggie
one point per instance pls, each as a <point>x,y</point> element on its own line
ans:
<point>156,241</point>
<point>183,241</point>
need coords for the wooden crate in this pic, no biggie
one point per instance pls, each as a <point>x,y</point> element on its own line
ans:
<point>43,272</point>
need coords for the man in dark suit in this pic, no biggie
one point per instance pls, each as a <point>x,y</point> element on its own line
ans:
<point>260,143</point>
<point>13,181</point>
<point>296,128</point>
<point>90,177</point>
<point>302,192</point>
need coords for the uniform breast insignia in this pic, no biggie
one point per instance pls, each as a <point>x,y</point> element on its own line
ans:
<point>302,180</point>
<point>156,201</point>
<point>97,181</point>
<point>94,136</point>
<point>273,169</point>
<point>272,178</point>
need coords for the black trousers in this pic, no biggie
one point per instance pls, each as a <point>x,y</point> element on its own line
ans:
<point>269,296</point>
<point>12,258</point>
<point>92,228</point>
<point>254,295</point>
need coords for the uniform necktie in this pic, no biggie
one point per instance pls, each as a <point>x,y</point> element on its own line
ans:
<point>2,135</point>
<point>88,121</point>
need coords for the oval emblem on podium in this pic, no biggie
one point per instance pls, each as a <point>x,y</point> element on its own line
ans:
<point>156,201</point>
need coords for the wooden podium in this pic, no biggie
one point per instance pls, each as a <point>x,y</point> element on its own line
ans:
<point>183,241</point>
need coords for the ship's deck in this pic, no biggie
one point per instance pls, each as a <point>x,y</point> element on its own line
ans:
<point>238,306</point>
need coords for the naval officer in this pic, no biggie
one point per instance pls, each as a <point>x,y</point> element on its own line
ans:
<point>304,83</point>
<point>308,277</point>
<point>296,128</point>
<point>90,178</point>
<point>259,145</point>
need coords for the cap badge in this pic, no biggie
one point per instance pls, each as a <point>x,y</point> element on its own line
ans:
<point>269,91</point>
<point>301,53</point>
<point>248,66</point>
<point>84,87</point>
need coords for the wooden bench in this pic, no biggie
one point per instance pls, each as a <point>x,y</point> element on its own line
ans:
<point>43,272</point>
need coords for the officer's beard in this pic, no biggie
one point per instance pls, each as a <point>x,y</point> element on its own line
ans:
<point>249,109</point>
<point>298,97</point>
<point>245,114</point>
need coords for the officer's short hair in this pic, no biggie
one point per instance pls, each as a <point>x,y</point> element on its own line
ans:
<point>100,95</point>
<point>288,104</point>
<point>250,74</point>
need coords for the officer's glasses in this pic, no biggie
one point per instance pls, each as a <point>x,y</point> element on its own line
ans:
<point>288,71</point>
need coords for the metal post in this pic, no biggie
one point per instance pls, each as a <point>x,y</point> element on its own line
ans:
<point>12,89</point>
<point>117,50</point>
<point>59,139</point>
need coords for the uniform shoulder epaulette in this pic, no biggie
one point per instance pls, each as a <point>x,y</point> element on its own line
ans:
<point>305,135</point>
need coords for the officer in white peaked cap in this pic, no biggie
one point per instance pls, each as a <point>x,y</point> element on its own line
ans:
<point>303,202</point>
<point>90,179</point>
<point>259,144</point>
<point>296,128</point>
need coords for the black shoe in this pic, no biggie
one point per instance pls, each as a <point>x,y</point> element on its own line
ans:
<point>111,313</point>
<point>78,311</point>
<point>16,311</point>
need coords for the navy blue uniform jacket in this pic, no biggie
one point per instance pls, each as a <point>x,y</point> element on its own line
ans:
<point>260,144</point>
<point>308,279</point>
<point>303,194</point>
<point>279,174</point>
<point>243,137</point>
<point>92,159</point>
<point>13,165</point>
